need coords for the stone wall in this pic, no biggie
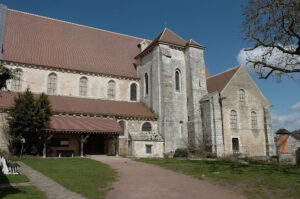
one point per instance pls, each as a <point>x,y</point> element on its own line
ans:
<point>36,78</point>
<point>4,136</point>
<point>252,142</point>
<point>292,155</point>
<point>139,149</point>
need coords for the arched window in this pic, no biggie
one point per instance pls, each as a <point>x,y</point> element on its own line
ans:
<point>111,89</point>
<point>242,96</point>
<point>122,125</point>
<point>52,83</point>
<point>83,86</point>
<point>146,127</point>
<point>253,120</point>
<point>233,119</point>
<point>177,80</point>
<point>133,92</point>
<point>17,80</point>
<point>146,84</point>
<point>180,128</point>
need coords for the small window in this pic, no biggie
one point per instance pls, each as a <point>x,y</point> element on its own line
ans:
<point>133,92</point>
<point>148,149</point>
<point>52,84</point>
<point>146,127</point>
<point>177,80</point>
<point>235,145</point>
<point>83,86</point>
<point>60,142</point>
<point>122,125</point>
<point>146,84</point>
<point>180,128</point>
<point>233,119</point>
<point>253,120</point>
<point>17,80</point>
<point>111,89</point>
<point>242,96</point>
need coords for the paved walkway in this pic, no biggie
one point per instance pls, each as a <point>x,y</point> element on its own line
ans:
<point>140,180</point>
<point>52,189</point>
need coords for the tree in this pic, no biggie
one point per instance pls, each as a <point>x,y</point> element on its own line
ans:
<point>5,74</point>
<point>27,119</point>
<point>273,27</point>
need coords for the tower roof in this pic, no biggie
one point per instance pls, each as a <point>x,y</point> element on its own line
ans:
<point>195,44</point>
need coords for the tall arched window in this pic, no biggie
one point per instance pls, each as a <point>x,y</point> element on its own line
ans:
<point>253,120</point>
<point>17,80</point>
<point>242,96</point>
<point>111,89</point>
<point>133,92</point>
<point>233,119</point>
<point>180,128</point>
<point>146,84</point>
<point>122,125</point>
<point>52,83</point>
<point>177,80</point>
<point>146,127</point>
<point>83,86</point>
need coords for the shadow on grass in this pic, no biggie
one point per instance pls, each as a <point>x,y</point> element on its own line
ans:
<point>9,191</point>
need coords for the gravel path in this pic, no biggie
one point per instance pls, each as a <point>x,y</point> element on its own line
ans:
<point>140,180</point>
<point>52,189</point>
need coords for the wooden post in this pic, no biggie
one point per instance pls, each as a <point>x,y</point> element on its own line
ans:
<point>117,145</point>
<point>47,139</point>
<point>82,141</point>
<point>81,146</point>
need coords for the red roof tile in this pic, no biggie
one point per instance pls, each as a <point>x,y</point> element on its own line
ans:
<point>83,125</point>
<point>37,40</point>
<point>193,43</point>
<point>76,105</point>
<point>219,81</point>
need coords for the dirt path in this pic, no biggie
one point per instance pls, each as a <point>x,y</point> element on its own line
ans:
<point>52,189</point>
<point>141,180</point>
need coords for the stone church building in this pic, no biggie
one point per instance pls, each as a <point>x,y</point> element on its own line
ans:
<point>117,94</point>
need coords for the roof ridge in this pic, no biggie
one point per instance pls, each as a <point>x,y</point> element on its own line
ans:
<point>174,33</point>
<point>78,24</point>
<point>224,71</point>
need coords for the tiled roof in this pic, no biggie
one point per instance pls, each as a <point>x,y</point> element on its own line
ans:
<point>219,81</point>
<point>84,106</point>
<point>83,125</point>
<point>36,40</point>
<point>193,43</point>
<point>166,36</point>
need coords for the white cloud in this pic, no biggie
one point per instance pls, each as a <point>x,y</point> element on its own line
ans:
<point>271,56</point>
<point>296,106</point>
<point>290,121</point>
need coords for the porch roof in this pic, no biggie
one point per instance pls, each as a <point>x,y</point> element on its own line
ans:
<point>63,124</point>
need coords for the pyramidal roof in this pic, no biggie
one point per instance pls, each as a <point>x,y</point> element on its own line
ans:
<point>170,37</point>
<point>193,43</point>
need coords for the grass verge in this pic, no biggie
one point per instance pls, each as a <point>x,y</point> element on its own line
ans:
<point>22,192</point>
<point>87,177</point>
<point>261,181</point>
<point>12,178</point>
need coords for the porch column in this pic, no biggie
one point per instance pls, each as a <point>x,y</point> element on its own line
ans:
<point>46,140</point>
<point>117,145</point>
<point>82,141</point>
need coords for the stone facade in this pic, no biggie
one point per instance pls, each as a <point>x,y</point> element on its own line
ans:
<point>171,81</point>
<point>289,148</point>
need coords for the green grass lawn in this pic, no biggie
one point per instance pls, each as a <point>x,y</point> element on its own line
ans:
<point>22,192</point>
<point>87,177</point>
<point>12,178</point>
<point>261,181</point>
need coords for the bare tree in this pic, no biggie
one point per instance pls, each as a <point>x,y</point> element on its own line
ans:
<point>273,27</point>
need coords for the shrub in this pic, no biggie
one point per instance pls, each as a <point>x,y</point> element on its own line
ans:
<point>181,153</point>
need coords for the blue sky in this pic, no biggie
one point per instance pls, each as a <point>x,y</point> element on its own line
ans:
<point>215,24</point>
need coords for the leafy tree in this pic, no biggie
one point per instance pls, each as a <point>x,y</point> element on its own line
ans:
<point>28,118</point>
<point>5,74</point>
<point>273,27</point>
